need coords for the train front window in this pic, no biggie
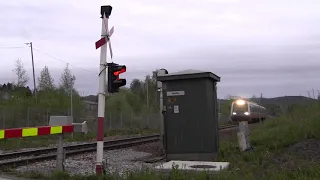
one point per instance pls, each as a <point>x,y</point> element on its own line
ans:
<point>240,108</point>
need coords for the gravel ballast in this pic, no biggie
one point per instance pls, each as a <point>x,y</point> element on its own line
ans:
<point>118,161</point>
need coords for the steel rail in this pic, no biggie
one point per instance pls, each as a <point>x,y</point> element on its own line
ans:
<point>73,150</point>
<point>36,155</point>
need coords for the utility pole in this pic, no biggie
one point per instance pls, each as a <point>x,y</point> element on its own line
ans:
<point>313,93</point>
<point>34,79</point>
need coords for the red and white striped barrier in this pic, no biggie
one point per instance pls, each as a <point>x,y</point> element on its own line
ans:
<point>35,131</point>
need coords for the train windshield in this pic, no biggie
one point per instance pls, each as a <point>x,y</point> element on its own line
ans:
<point>240,108</point>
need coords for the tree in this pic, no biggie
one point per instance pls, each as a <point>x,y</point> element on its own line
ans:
<point>136,86</point>
<point>150,85</point>
<point>45,81</point>
<point>67,80</point>
<point>21,74</point>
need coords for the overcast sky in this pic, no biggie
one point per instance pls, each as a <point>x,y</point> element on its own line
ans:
<point>255,46</point>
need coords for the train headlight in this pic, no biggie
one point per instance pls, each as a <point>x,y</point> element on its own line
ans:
<point>240,102</point>
<point>234,113</point>
<point>246,113</point>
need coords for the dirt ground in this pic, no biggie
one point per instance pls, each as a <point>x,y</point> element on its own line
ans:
<point>301,154</point>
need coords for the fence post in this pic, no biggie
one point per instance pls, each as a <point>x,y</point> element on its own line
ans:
<point>47,116</point>
<point>148,123</point>
<point>28,118</point>
<point>3,118</point>
<point>110,122</point>
<point>14,120</point>
<point>131,119</point>
<point>121,121</point>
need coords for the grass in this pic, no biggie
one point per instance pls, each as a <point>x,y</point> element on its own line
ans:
<point>42,141</point>
<point>272,142</point>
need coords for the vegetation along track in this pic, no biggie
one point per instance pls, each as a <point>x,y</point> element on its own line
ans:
<point>15,159</point>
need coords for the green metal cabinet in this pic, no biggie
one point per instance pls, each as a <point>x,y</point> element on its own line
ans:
<point>190,115</point>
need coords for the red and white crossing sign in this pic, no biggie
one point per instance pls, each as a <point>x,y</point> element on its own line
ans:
<point>106,39</point>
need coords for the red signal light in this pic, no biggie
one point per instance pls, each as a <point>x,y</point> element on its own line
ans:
<point>122,70</point>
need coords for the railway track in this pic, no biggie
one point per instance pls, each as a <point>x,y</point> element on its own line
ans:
<point>7,160</point>
<point>222,127</point>
<point>15,159</point>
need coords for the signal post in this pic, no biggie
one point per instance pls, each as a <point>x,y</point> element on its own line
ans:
<point>105,13</point>
<point>114,82</point>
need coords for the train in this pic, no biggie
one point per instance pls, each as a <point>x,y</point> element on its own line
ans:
<point>243,110</point>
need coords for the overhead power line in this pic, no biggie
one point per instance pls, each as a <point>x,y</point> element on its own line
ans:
<point>55,58</point>
<point>47,54</point>
<point>13,47</point>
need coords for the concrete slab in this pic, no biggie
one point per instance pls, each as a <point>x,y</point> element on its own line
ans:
<point>210,167</point>
<point>4,176</point>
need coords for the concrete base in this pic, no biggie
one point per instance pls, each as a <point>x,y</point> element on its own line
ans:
<point>192,157</point>
<point>193,166</point>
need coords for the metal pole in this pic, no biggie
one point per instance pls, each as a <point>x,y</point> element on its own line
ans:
<point>161,120</point>
<point>34,79</point>
<point>161,72</point>
<point>105,13</point>
<point>71,103</point>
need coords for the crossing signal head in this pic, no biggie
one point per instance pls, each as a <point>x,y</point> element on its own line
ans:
<point>114,82</point>
<point>106,10</point>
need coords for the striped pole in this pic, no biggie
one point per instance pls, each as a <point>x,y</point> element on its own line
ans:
<point>101,97</point>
